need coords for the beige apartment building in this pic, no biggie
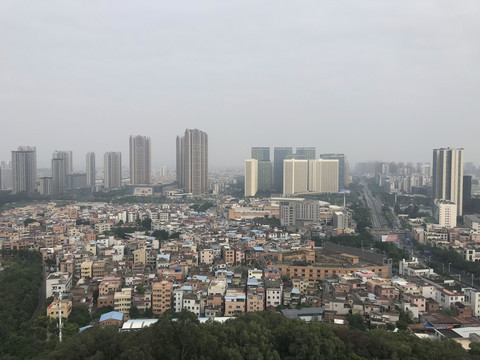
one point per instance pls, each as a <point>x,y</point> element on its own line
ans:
<point>162,295</point>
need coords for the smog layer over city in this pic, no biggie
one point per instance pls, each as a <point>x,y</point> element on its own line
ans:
<point>239,180</point>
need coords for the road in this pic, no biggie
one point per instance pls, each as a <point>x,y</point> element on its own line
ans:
<point>375,205</point>
<point>380,222</point>
<point>450,271</point>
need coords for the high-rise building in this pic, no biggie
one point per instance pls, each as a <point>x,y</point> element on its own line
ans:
<point>251,177</point>
<point>192,161</point>
<point>467,193</point>
<point>310,176</point>
<point>5,175</point>
<point>445,212</point>
<point>279,154</point>
<point>24,170</point>
<point>59,174</point>
<point>261,153</point>
<point>448,176</point>
<point>295,176</point>
<point>343,168</point>
<point>91,172</point>
<point>180,162</point>
<point>265,175</point>
<point>305,153</point>
<point>112,169</point>
<point>140,160</point>
<point>265,167</point>
<point>46,185</point>
<point>323,176</point>
<point>68,156</point>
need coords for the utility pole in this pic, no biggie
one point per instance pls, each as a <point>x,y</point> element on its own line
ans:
<point>60,316</point>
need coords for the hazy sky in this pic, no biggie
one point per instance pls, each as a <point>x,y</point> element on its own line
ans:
<point>387,80</point>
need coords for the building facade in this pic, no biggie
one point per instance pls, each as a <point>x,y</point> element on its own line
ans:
<point>192,162</point>
<point>24,170</point>
<point>448,176</point>
<point>91,170</point>
<point>279,154</point>
<point>162,295</point>
<point>140,160</point>
<point>59,175</point>
<point>251,177</point>
<point>295,176</point>
<point>343,175</point>
<point>445,212</point>
<point>112,170</point>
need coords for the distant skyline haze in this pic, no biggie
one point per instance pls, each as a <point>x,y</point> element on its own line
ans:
<point>373,80</point>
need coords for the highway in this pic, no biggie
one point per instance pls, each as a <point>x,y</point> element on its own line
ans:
<point>380,222</point>
<point>378,219</point>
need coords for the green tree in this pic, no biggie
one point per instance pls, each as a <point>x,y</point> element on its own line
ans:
<point>140,289</point>
<point>402,325</point>
<point>134,312</point>
<point>356,322</point>
<point>79,315</point>
<point>100,311</point>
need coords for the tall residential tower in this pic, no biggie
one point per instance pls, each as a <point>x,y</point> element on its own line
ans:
<point>112,170</point>
<point>192,162</point>
<point>91,172</point>
<point>448,176</point>
<point>140,160</point>
<point>24,170</point>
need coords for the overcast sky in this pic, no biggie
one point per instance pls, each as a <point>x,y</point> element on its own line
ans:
<point>386,80</point>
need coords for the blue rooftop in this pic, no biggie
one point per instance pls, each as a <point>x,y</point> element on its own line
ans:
<point>85,328</point>
<point>112,315</point>
<point>258,248</point>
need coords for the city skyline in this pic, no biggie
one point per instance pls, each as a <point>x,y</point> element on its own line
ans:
<point>367,82</point>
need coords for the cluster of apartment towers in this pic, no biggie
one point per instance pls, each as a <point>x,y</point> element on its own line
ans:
<point>192,167</point>
<point>292,173</point>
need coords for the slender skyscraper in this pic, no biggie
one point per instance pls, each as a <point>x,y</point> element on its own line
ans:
<point>279,154</point>
<point>59,175</point>
<point>91,172</point>
<point>6,175</point>
<point>68,156</point>
<point>112,170</point>
<point>180,162</point>
<point>193,159</point>
<point>251,177</point>
<point>448,176</point>
<point>24,170</point>
<point>265,167</point>
<point>140,160</point>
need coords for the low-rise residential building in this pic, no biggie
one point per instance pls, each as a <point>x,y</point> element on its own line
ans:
<point>123,300</point>
<point>112,318</point>
<point>57,283</point>
<point>56,307</point>
<point>162,293</point>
